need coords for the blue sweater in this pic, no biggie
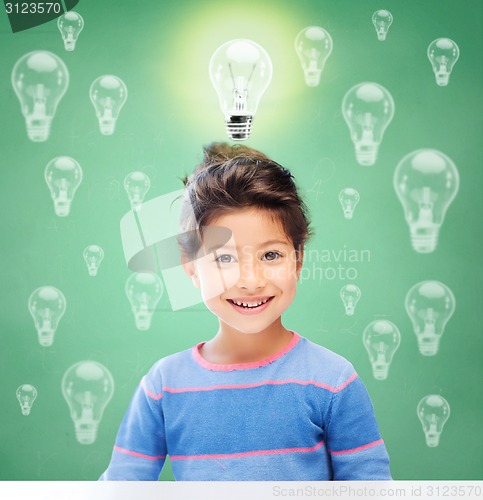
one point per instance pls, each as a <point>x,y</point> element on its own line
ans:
<point>302,414</point>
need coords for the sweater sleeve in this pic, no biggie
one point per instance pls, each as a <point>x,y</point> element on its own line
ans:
<point>140,448</point>
<point>356,448</point>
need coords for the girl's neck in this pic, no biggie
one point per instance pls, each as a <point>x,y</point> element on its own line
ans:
<point>229,346</point>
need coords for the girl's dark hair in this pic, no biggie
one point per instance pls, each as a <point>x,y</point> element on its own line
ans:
<point>237,177</point>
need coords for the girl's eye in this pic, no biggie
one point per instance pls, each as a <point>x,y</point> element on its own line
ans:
<point>225,259</point>
<point>272,256</point>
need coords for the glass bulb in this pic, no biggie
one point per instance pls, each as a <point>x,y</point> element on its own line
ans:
<point>443,54</point>
<point>47,305</point>
<point>70,25</point>
<point>63,176</point>
<point>40,80</point>
<point>87,387</point>
<point>382,20</point>
<point>430,305</point>
<point>381,339</point>
<point>26,395</point>
<point>349,198</point>
<point>143,291</point>
<point>368,108</point>
<point>136,184</point>
<point>108,94</point>
<point>313,46</point>
<point>426,182</point>
<point>350,295</point>
<point>93,255</point>
<point>433,412</point>
<point>240,71</point>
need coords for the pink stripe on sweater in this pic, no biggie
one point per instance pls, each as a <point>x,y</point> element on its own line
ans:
<point>149,393</point>
<point>139,455</point>
<point>259,384</point>
<point>246,453</point>
<point>360,448</point>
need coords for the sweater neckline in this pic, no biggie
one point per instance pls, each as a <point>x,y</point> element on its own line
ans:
<point>243,366</point>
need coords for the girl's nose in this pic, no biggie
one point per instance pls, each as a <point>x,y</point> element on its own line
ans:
<point>251,275</point>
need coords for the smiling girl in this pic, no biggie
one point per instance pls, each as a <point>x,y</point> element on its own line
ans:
<point>257,401</point>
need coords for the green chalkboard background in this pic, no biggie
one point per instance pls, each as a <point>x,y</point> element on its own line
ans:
<point>161,51</point>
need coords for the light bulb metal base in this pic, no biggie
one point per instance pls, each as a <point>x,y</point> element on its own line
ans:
<point>46,337</point>
<point>62,208</point>
<point>38,129</point>
<point>366,154</point>
<point>432,439</point>
<point>85,433</point>
<point>238,127</point>
<point>312,77</point>
<point>381,35</point>
<point>428,347</point>
<point>442,79</point>
<point>424,242</point>
<point>107,126</point>
<point>380,372</point>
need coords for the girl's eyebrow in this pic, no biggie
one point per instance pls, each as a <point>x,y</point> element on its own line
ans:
<point>262,245</point>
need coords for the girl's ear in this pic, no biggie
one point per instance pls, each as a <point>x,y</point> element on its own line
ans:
<point>190,269</point>
<point>300,262</point>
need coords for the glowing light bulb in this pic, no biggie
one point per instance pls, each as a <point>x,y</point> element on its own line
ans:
<point>240,71</point>
<point>430,305</point>
<point>47,305</point>
<point>443,54</point>
<point>63,176</point>
<point>433,412</point>
<point>144,291</point>
<point>108,94</point>
<point>87,387</point>
<point>426,182</point>
<point>93,255</point>
<point>350,295</point>
<point>26,395</point>
<point>382,20</point>
<point>40,80</point>
<point>70,25</point>
<point>313,46</point>
<point>381,339</point>
<point>349,198</point>
<point>136,184</point>
<point>368,109</point>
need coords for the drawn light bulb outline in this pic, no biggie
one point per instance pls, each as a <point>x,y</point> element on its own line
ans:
<point>381,339</point>
<point>443,54</point>
<point>368,109</point>
<point>47,305</point>
<point>93,255</point>
<point>350,295</point>
<point>70,25</point>
<point>433,411</point>
<point>382,20</point>
<point>108,95</point>
<point>349,198</point>
<point>136,184</point>
<point>426,182</point>
<point>430,305</point>
<point>240,71</point>
<point>87,387</point>
<point>26,395</point>
<point>144,290</point>
<point>313,46</point>
<point>40,80</point>
<point>63,176</point>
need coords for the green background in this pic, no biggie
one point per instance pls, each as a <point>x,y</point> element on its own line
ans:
<point>161,51</point>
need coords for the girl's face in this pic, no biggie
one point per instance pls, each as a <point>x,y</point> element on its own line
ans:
<point>251,279</point>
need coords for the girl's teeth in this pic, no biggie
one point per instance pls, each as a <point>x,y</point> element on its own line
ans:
<point>250,304</point>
